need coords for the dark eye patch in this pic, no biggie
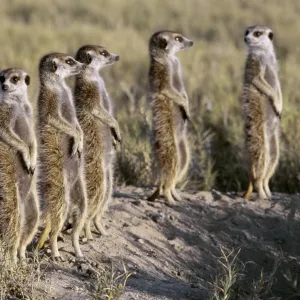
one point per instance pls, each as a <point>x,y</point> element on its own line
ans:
<point>70,62</point>
<point>257,33</point>
<point>15,79</point>
<point>247,32</point>
<point>179,39</point>
<point>2,79</point>
<point>271,36</point>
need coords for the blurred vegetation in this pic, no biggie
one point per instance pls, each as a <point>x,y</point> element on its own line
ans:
<point>213,71</point>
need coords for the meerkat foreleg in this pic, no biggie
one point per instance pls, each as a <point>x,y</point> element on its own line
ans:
<point>33,155</point>
<point>68,129</point>
<point>9,137</point>
<point>108,120</point>
<point>178,99</point>
<point>261,84</point>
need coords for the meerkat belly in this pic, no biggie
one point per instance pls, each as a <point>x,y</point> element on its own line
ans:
<point>163,129</point>
<point>22,129</point>
<point>71,163</point>
<point>178,120</point>
<point>253,109</point>
<point>93,141</point>
<point>271,120</point>
<point>109,149</point>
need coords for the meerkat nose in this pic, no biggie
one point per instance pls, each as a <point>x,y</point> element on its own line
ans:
<point>4,87</point>
<point>191,43</point>
<point>246,39</point>
<point>117,57</point>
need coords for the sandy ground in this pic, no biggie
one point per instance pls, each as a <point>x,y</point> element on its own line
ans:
<point>174,250</point>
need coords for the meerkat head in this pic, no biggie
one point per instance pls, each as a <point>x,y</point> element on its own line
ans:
<point>60,65</point>
<point>259,38</point>
<point>14,82</point>
<point>96,57</point>
<point>168,43</point>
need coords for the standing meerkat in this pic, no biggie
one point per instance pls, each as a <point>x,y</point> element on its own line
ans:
<point>100,128</point>
<point>262,107</point>
<point>61,178</point>
<point>19,208</point>
<point>170,110</point>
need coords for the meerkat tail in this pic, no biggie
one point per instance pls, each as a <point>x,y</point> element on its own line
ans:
<point>155,195</point>
<point>249,191</point>
<point>44,235</point>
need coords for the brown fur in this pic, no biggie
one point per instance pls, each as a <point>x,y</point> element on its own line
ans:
<point>19,211</point>
<point>261,141</point>
<point>61,180</point>
<point>170,112</point>
<point>90,95</point>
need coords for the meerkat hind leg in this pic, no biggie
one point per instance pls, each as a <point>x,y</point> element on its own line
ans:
<point>184,158</point>
<point>274,157</point>
<point>78,214</point>
<point>31,222</point>
<point>87,229</point>
<point>99,226</point>
<point>175,195</point>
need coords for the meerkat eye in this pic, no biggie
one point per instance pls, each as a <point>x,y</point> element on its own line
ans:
<point>15,79</point>
<point>104,53</point>
<point>179,39</point>
<point>70,62</point>
<point>257,33</point>
<point>2,79</point>
<point>271,36</point>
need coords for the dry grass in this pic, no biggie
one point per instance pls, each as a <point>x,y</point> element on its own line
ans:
<point>109,284</point>
<point>18,281</point>
<point>232,281</point>
<point>212,73</point>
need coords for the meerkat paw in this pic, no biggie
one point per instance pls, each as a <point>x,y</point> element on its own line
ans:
<point>58,258</point>
<point>170,199</point>
<point>81,260</point>
<point>268,193</point>
<point>176,196</point>
<point>100,228</point>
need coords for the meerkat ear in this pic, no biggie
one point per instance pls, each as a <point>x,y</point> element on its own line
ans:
<point>53,66</point>
<point>271,36</point>
<point>162,43</point>
<point>88,58</point>
<point>27,79</point>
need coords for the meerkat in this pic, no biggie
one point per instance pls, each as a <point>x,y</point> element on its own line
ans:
<point>170,111</point>
<point>101,131</point>
<point>262,107</point>
<point>19,213</point>
<point>61,178</point>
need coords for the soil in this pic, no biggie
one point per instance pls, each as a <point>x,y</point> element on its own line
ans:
<point>173,252</point>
